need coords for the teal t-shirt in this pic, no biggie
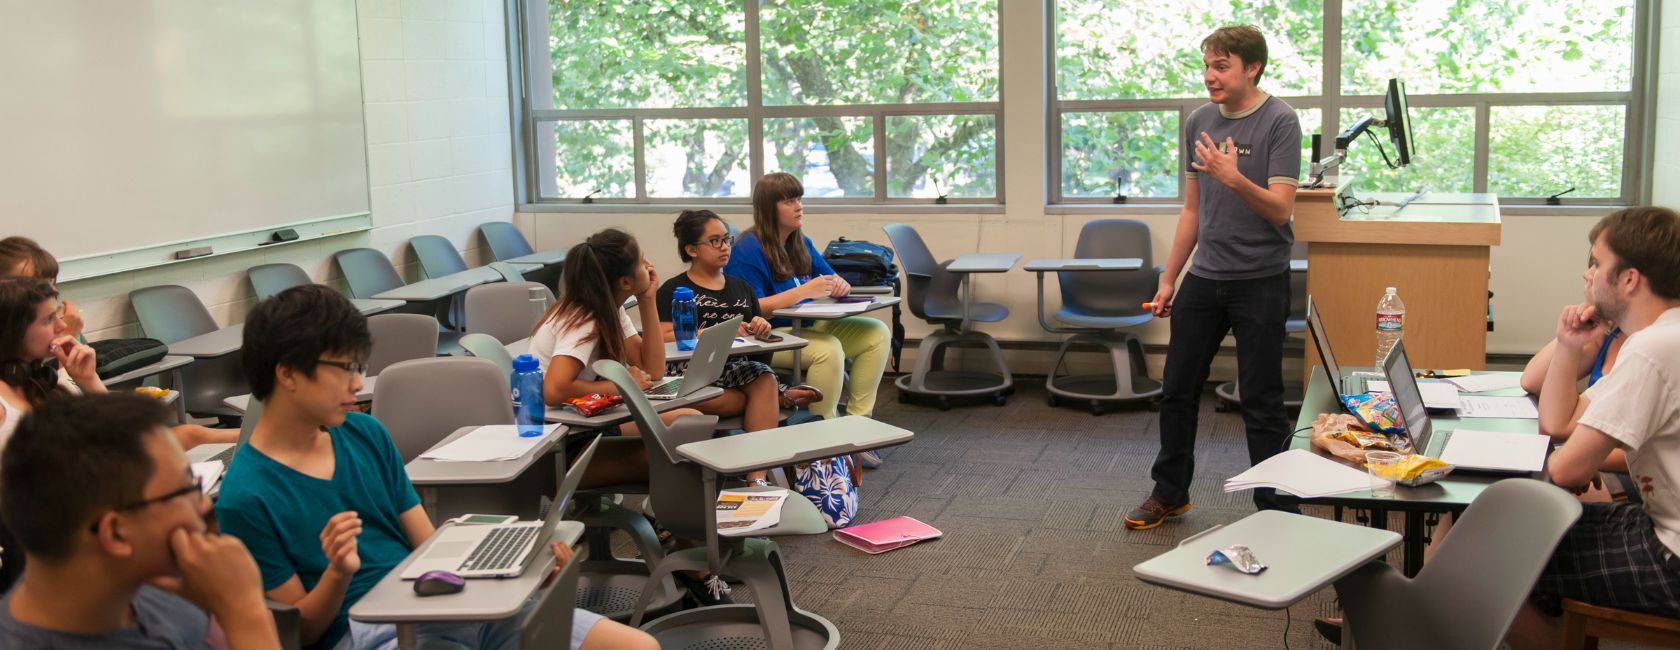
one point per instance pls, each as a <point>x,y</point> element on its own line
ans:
<point>279,512</point>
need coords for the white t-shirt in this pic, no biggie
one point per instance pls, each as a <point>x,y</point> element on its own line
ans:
<point>577,342</point>
<point>1639,406</point>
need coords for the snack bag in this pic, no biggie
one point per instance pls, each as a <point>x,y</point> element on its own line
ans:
<point>1416,469</point>
<point>1377,408</point>
<point>593,403</point>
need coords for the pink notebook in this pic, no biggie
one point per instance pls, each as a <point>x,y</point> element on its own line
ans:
<point>886,535</point>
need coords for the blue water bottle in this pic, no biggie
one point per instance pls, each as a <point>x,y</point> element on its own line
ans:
<point>528,383</point>
<point>683,319</point>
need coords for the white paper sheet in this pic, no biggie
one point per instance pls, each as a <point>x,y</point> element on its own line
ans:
<point>831,308</point>
<point>209,473</point>
<point>1483,383</point>
<point>488,443</point>
<point>1436,395</point>
<point>1302,473</point>
<point>1480,406</point>
<point>1496,450</point>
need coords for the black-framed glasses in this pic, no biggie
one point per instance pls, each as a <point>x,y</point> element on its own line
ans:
<point>719,242</point>
<point>352,367</point>
<point>196,488</point>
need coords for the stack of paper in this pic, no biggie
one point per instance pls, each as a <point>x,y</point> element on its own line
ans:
<point>1478,406</point>
<point>1301,473</point>
<point>488,443</point>
<point>1436,394</point>
<point>743,343</point>
<point>740,511</point>
<point>831,308</point>
<point>208,473</point>
<point>1483,383</point>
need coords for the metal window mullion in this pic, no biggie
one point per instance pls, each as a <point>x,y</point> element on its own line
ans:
<point>755,92</point>
<point>879,119</point>
<point>1052,108</point>
<point>638,148</point>
<point>1479,168</point>
<point>1330,84</point>
<point>1638,159</point>
<point>652,113</point>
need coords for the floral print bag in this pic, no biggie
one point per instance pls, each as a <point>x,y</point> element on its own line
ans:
<point>827,483</point>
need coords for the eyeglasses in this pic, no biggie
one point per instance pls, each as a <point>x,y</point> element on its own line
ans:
<point>196,488</point>
<point>352,367</point>
<point>720,242</point>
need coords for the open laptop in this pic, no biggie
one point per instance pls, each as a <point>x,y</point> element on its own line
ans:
<point>711,354</point>
<point>1482,451</point>
<point>502,551</point>
<point>1342,386</point>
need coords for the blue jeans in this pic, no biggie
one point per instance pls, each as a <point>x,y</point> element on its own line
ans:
<point>498,635</point>
<point>1204,311</point>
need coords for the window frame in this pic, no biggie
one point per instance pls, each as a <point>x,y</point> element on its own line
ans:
<point>531,83</point>
<point>1636,103</point>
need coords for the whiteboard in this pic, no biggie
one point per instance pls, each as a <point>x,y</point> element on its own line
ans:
<point>129,124</point>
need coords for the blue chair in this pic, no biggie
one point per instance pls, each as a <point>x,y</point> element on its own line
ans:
<point>437,256</point>
<point>505,240</point>
<point>367,272</point>
<point>1097,308</point>
<point>1229,394</point>
<point>267,280</point>
<point>932,293</point>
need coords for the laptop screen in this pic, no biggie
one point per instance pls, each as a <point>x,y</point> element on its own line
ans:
<point>1315,327</point>
<point>1407,397</point>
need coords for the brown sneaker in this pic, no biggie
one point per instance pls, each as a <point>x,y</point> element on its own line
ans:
<point>1152,513</point>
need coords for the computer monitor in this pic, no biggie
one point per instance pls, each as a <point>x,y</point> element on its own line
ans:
<point>1399,122</point>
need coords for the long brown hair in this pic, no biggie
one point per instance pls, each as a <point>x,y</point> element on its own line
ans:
<point>789,256</point>
<point>16,251</point>
<point>588,288</point>
<point>19,297</point>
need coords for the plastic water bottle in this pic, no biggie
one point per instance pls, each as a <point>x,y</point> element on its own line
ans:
<point>527,389</point>
<point>683,319</point>
<point>1391,319</point>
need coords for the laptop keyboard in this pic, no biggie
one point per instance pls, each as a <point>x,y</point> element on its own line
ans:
<point>501,549</point>
<point>667,389</point>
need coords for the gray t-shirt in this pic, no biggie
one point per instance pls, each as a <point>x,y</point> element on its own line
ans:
<point>162,621</point>
<point>1233,242</point>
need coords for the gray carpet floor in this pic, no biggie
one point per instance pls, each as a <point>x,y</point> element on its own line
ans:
<point>1030,499</point>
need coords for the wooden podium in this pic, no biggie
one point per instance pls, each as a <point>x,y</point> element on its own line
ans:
<point>1433,250</point>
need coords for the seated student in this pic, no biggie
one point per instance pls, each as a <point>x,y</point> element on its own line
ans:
<point>1622,555</point>
<point>588,324</point>
<point>320,496</point>
<point>22,256</point>
<point>1591,362</point>
<point>784,269</point>
<point>750,388</point>
<point>100,497</point>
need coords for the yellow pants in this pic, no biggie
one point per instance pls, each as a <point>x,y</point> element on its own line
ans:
<point>865,341</point>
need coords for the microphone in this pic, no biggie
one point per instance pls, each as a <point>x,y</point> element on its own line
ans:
<point>590,197</point>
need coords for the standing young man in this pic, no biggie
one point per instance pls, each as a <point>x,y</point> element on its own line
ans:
<point>1244,149</point>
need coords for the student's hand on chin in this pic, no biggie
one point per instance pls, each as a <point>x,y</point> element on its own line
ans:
<point>216,571</point>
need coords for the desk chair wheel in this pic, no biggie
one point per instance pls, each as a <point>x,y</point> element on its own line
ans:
<point>1000,399</point>
<point>1096,407</point>
<point>1052,400</point>
<point>1155,405</point>
<point>944,403</point>
<point>1219,407</point>
<point>903,397</point>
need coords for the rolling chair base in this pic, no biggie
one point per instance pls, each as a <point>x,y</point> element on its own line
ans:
<point>610,586</point>
<point>1099,390</point>
<point>737,626</point>
<point>1128,381</point>
<point>931,379</point>
<point>1229,398</point>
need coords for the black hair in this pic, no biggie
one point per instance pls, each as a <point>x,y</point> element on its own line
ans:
<point>297,327</point>
<point>71,460</point>
<point>588,289</point>
<point>37,380</point>
<point>690,225</point>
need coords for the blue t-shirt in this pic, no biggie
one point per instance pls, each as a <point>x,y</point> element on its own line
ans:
<point>746,261</point>
<point>279,512</point>
<point>162,621</point>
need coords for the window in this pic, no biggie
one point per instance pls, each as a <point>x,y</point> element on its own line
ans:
<point>864,100</point>
<point>1522,98</point>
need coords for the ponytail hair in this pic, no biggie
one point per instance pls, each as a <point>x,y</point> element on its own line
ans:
<point>588,288</point>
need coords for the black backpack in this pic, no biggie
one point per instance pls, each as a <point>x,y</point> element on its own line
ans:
<point>113,357</point>
<point>868,264</point>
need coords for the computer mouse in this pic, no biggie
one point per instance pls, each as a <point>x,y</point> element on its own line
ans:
<point>438,583</point>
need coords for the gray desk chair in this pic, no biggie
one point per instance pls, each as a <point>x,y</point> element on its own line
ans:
<point>932,294</point>
<point>1470,591</point>
<point>677,489</point>
<point>267,280</point>
<point>172,313</point>
<point>423,400</point>
<point>1229,394</point>
<point>1097,309</point>
<point>437,256</point>
<point>367,272</point>
<point>505,240</point>
<point>549,625</point>
<point>400,337</point>
<point>485,346</point>
<point>506,310</point>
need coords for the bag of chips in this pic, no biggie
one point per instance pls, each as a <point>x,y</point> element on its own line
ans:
<point>1378,409</point>
<point>589,405</point>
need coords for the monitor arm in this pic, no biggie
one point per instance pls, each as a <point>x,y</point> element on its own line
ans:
<point>1320,167</point>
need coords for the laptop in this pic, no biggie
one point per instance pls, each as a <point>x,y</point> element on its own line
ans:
<point>1332,371</point>
<point>711,354</point>
<point>502,551</point>
<point>1481,451</point>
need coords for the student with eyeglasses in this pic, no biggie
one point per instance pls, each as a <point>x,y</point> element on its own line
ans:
<point>750,387</point>
<point>320,495</point>
<point>112,521</point>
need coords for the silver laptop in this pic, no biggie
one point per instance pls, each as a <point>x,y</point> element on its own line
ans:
<point>1481,451</point>
<point>711,354</point>
<point>502,551</point>
<point>1342,386</point>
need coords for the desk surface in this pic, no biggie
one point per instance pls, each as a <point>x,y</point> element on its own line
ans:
<point>621,413</point>
<point>425,472</point>
<point>540,257</point>
<point>211,344</point>
<point>984,263</point>
<point>442,286</point>
<point>878,290</point>
<point>371,306</point>
<point>1302,555</point>
<point>166,364</point>
<point>792,444</point>
<point>485,599</point>
<point>364,395</point>
<point>788,342</point>
<point>880,302</point>
<point>1454,492</point>
<point>1087,264</point>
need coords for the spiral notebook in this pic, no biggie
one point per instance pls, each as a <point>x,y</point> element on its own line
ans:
<point>886,535</point>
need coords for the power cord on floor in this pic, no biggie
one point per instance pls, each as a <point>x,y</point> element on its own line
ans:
<point>1286,620</point>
